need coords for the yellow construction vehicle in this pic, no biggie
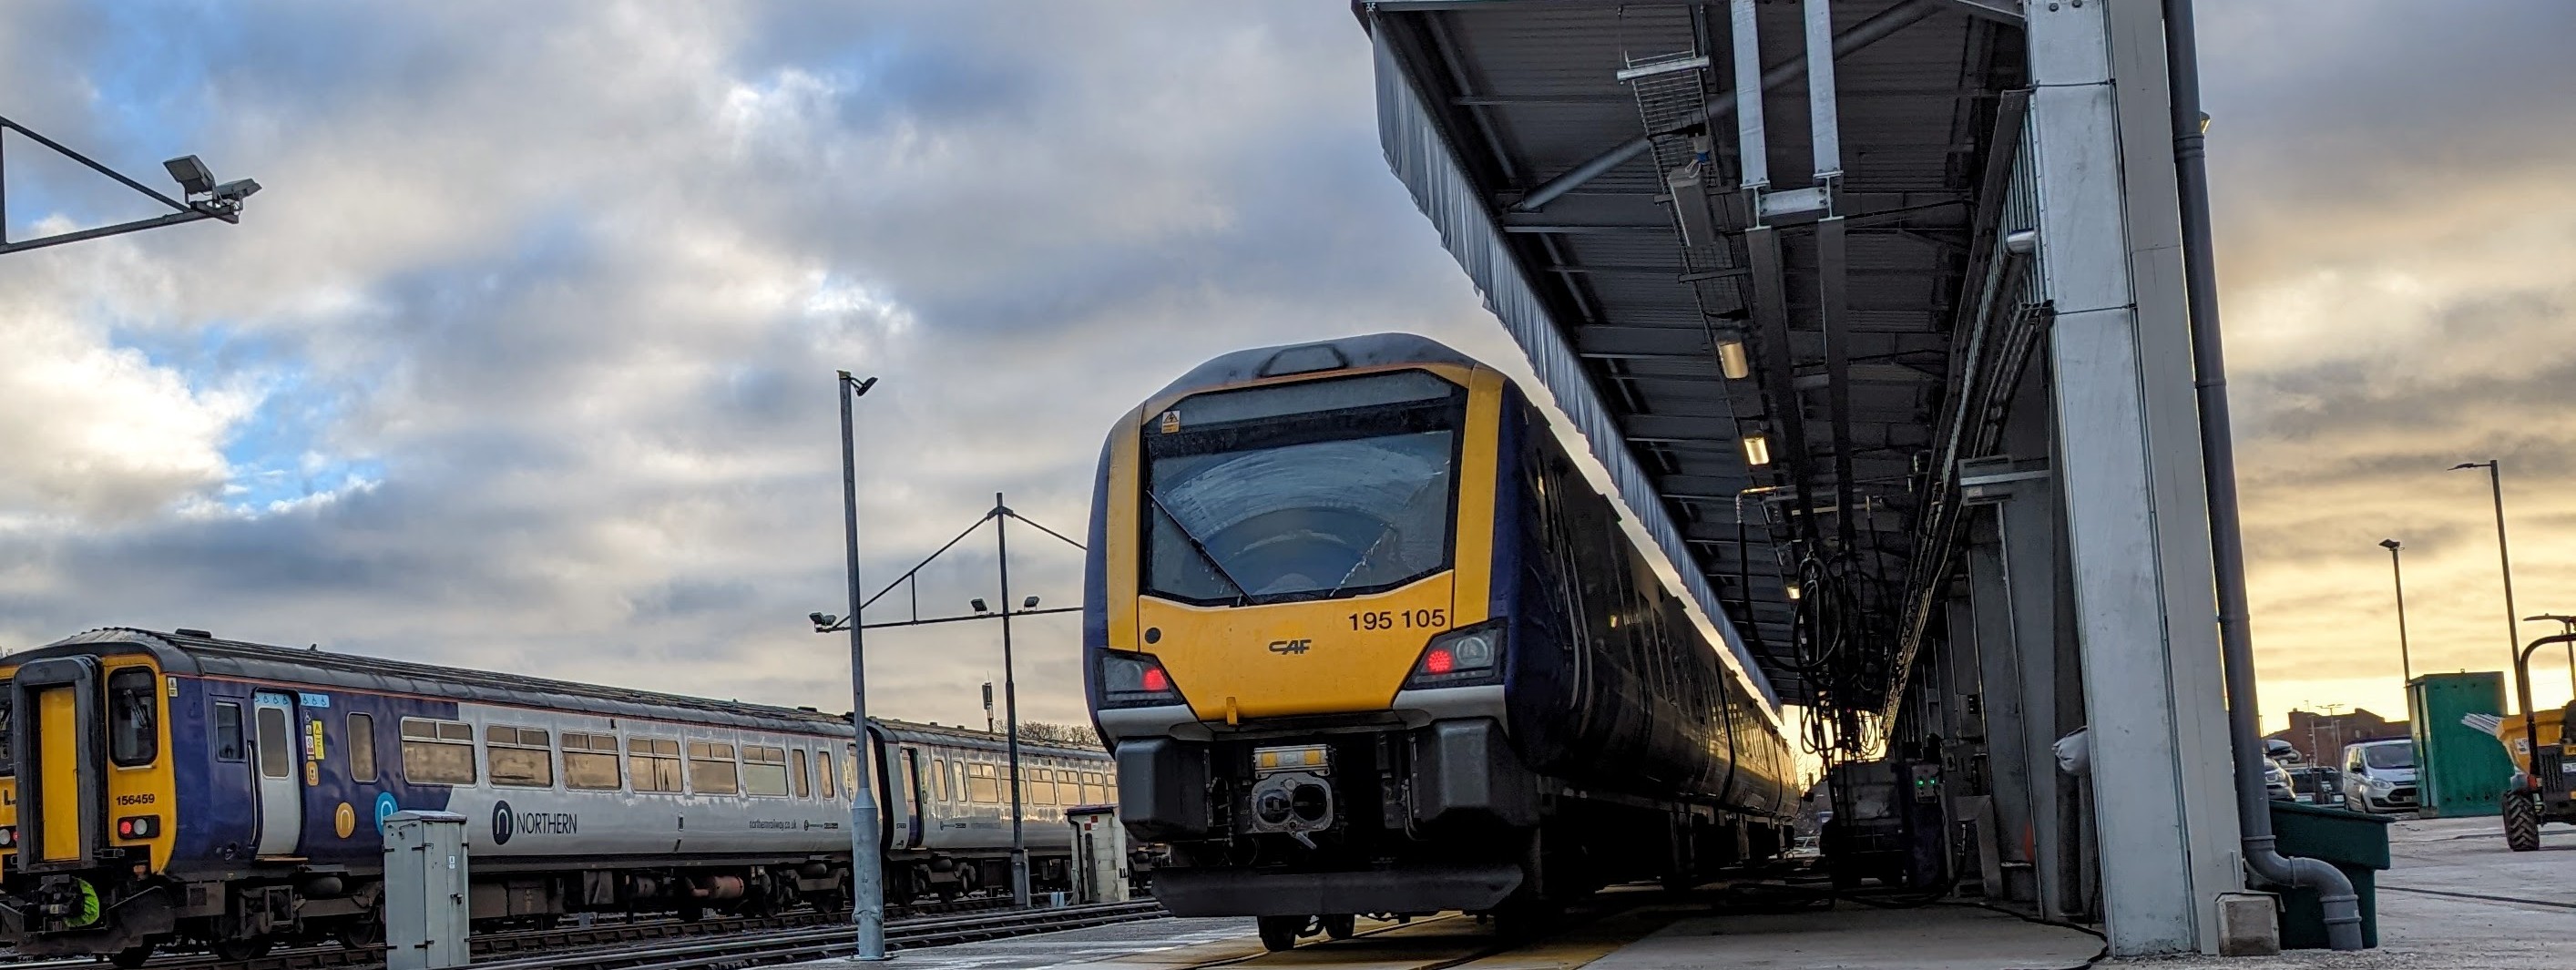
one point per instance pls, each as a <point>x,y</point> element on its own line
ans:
<point>2544,778</point>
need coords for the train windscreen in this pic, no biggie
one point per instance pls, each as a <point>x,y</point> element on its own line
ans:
<point>1299,491</point>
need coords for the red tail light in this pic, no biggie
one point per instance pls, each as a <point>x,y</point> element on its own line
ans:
<point>1439,661</point>
<point>138,826</point>
<point>1134,680</point>
<point>1460,658</point>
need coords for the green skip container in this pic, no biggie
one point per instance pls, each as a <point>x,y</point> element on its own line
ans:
<point>2354,842</point>
<point>2459,770</point>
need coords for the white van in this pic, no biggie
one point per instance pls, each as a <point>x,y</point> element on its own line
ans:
<point>2379,776</point>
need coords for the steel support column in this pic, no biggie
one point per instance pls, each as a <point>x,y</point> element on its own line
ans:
<point>2128,460</point>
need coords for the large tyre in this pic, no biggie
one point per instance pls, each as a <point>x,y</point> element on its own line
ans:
<point>1281,932</point>
<point>2521,823</point>
<point>1340,927</point>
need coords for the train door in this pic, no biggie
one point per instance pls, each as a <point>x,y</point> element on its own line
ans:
<point>913,788</point>
<point>281,795</point>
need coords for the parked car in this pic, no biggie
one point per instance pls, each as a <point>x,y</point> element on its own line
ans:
<point>2276,781</point>
<point>2317,785</point>
<point>2379,776</point>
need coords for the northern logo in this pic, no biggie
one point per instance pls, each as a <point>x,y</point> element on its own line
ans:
<point>1291,646</point>
<point>504,824</point>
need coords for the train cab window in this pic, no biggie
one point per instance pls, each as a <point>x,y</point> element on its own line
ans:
<point>590,761</point>
<point>522,757</point>
<point>980,784</point>
<point>823,764</point>
<point>764,771</point>
<point>228,731</point>
<point>362,745</point>
<point>1306,490</point>
<point>437,752</point>
<point>133,717</point>
<point>712,770</point>
<point>656,763</point>
<point>796,771</point>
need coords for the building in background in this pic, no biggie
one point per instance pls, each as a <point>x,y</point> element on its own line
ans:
<point>2320,737</point>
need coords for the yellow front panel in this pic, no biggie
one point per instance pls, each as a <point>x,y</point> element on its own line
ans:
<point>149,789</point>
<point>1323,657</point>
<point>58,739</point>
<point>1474,535</point>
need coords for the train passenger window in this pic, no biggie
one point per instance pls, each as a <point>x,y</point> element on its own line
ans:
<point>796,770</point>
<point>1037,786</point>
<point>437,752</point>
<point>362,745</point>
<point>228,731</point>
<point>590,761</point>
<point>656,762</point>
<point>957,779</point>
<point>981,786</point>
<point>276,760</point>
<point>711,768</point>
<point>764,771</point>
<point>824,770</point>
<point>518,756</point>
<point>1091,789</point>
<point>939,777</point>
<point>133,717</point>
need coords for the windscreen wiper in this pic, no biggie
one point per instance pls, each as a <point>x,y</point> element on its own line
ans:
<point>1242,594</point>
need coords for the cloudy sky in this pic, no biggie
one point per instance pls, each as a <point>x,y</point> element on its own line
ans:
<point>523,359</point>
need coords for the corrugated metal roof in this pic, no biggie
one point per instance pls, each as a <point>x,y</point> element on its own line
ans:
<point>1515,93</point>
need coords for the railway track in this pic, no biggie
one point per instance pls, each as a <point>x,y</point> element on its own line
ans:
<point>735,952</point>
<point>574,938</point>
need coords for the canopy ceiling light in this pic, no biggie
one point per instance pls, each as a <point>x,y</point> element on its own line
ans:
<point>1757,450</point>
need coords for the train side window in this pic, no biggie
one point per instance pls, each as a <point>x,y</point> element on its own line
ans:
<point>825,771</point>
<point>764,771</point>
<point>437,752</point>
<point>980,784</point>
<point>712,770</point>
<point>520,757</point>
<point>796,772</point>
<point>362,744</point>
<point>656,763</point>
<point>590,761</point>
<point>228,731</point>
<point>133,717</point>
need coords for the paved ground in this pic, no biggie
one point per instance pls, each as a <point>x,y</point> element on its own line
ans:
<point>2457,898</point>
<point>2452,901</point>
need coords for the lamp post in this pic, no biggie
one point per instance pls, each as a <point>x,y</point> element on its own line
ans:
<point>2512,628</point>
<point>2405,666</point>
<point>1011,704</point>
<point>867,868</point>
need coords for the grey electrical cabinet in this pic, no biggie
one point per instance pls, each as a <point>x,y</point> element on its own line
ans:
<point>425,893</point>
<point>1099,854</point>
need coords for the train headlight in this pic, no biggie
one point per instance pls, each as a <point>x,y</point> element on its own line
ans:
<point>8,836</point>
<point>1473,655</point>
<point>1134,680</point>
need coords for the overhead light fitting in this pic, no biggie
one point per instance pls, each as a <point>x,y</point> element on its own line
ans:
<point>191,173</point>
<point>979,606</point>
<point>1793,590</point>
<point>1757,450</point>
<point>1732,362</point>
<point>1029,604</point>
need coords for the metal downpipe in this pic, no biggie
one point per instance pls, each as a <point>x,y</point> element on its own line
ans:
<point>2218,470</point>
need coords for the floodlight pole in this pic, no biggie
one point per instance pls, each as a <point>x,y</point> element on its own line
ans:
<point>206,201</point>
<point>1011,705</point>
<point>867,862</point>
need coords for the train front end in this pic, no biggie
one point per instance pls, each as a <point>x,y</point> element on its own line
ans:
<point>1294,641</point>
<point>87,802</point>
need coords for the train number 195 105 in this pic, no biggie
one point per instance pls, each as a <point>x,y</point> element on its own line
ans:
<point>1406,619</point>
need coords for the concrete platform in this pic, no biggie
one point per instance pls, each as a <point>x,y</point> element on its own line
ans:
<point>2457,898</point>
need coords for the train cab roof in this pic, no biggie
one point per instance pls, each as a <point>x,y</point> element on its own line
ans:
<point>1341,353</point>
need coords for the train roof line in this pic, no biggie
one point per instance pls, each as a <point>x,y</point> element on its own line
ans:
<point>207,654</point>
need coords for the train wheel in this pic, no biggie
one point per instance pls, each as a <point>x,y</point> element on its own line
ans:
<point>1281,932</point>
<point>241,949</point>
<point>132,956</point>
<point>1340,927</point>
<point>2521,823</point>
<point>358,933</point>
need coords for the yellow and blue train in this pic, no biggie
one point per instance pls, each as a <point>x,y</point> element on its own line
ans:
<point>161,787</point>
<point>1365,640</point>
